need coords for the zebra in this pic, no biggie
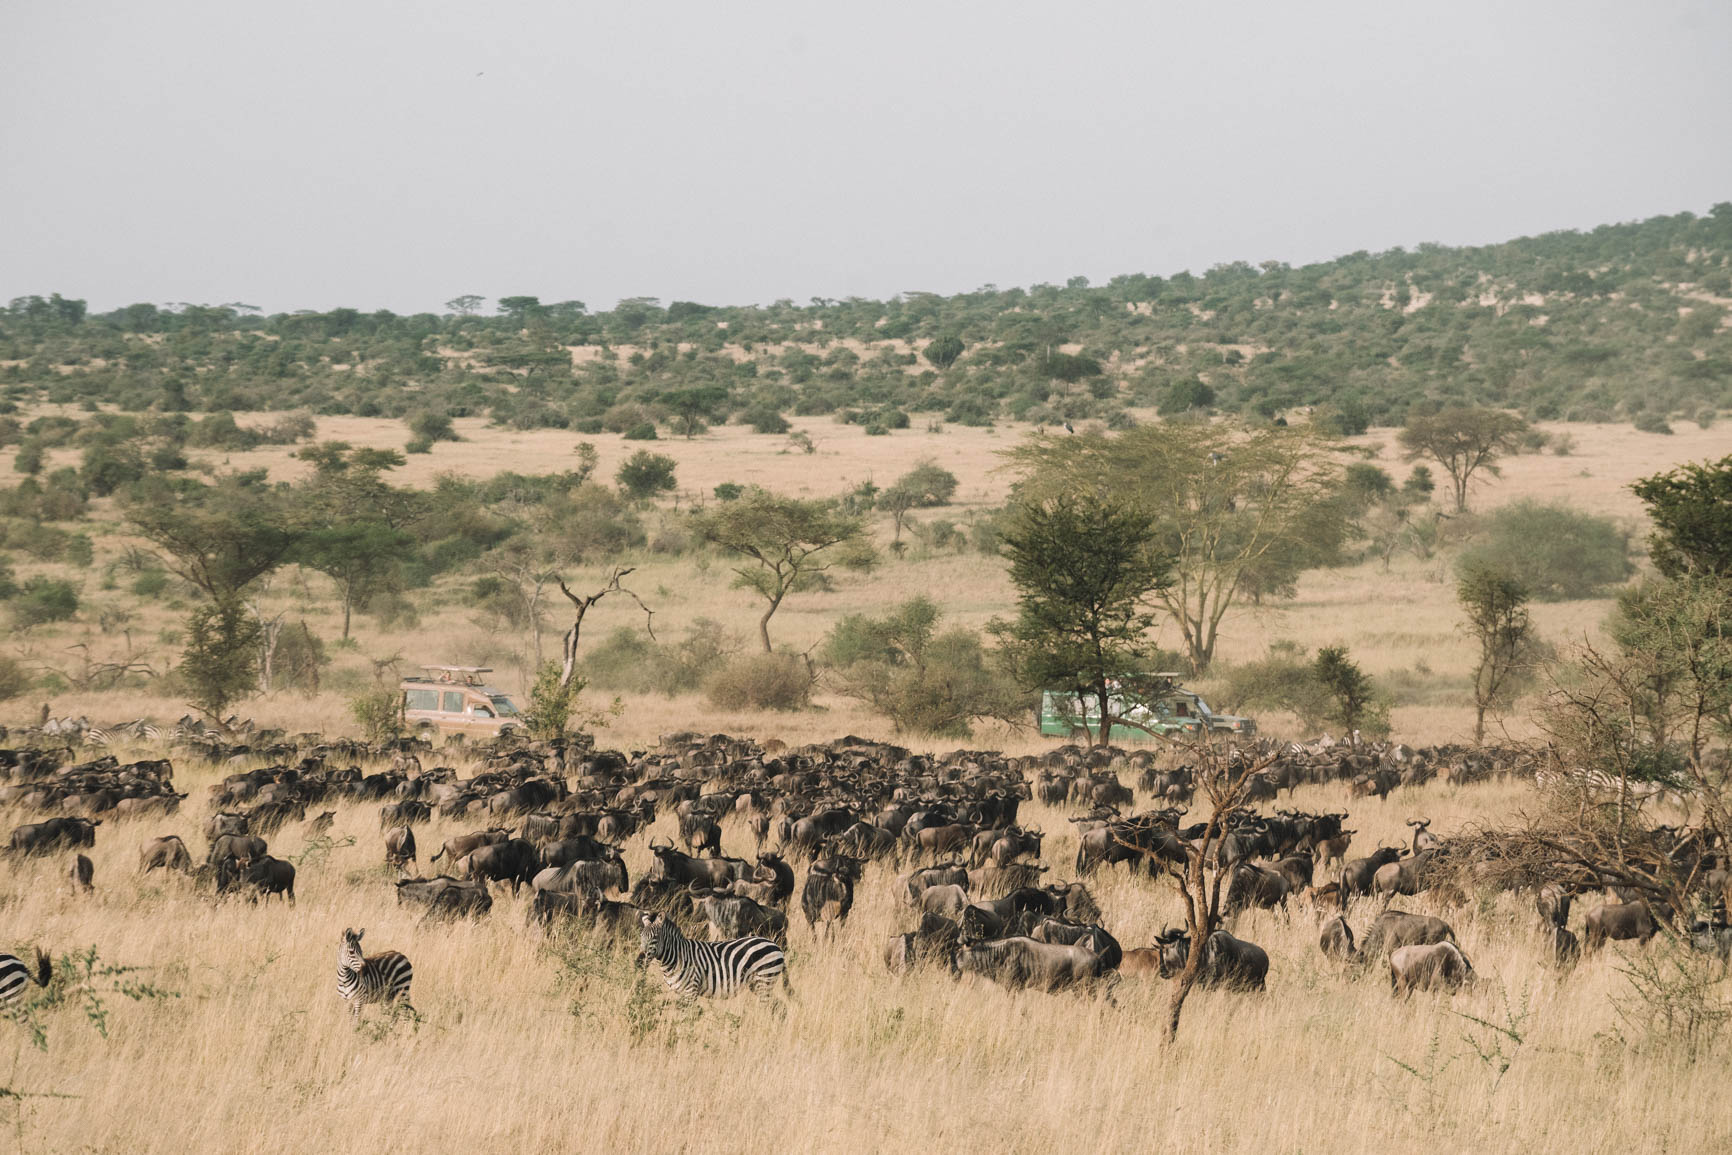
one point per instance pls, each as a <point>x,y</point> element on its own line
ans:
<point>14,970</point>
<point>712,969</point>
<point>379,978</point>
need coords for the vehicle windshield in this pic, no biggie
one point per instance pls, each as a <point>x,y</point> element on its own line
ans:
<point>503,705</point>
<point>1203,707</point>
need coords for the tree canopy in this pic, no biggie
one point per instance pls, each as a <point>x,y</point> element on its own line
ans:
<point>786,543</point>
<point>1086,572</point>
<point>1223,501</point>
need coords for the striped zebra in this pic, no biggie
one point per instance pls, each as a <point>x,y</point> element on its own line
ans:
<point>712,969</point>
<point>14,971</point>
<point>379,978</point>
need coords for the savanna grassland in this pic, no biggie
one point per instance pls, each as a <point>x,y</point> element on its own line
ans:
<point>525,1041</point>
<point>1399,618</point>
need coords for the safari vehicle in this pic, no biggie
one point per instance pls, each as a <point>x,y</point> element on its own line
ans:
<point>1167,710</point>
<point>455,700</point>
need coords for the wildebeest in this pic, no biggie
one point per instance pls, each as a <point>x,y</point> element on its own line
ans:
<point>580,846</point>
<point>1394,929</point>
<point>463,844</point>
<point>1620,921</point>
<point>1434,966</point>
<point>1063,930</point>
<point>1253,885</point>
<point>513,861</point>
<point>1227,961</point>
<point>1712,937</point>
<point>910,886</point>
<point>828,895</point>
<point>235,848</point>
<point>268,876</point>
<point>320,824</point>
<point>1020,962</point>
<point>775,872</point>
<point>443,896</point>
<point>1334,849</point>
<point>399,847</point>
<point>223,823</point>
<point>1564,946</point>
<point>405,813</point>
<point>733,916</point>
<point>672,866</point>
<point>601,874</point>
<point>1357,876</point>
<point>168,853</point>
<point>1336,941</point>
<point>1552,901</point>
<point>81,873</point>
<point>55,834</point>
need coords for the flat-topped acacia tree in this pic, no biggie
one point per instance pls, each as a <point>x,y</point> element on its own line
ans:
<point>785,544</point>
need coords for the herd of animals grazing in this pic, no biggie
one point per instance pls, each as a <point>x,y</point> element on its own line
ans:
<point>944,832</point>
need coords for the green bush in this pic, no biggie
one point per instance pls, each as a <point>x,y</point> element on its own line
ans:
<point>1184,395</point>
<point>8,581</point>
<point>646,474</point>
<point>1557,552</point>
<point>926,485</point>
<point>419,445</point>
<point>642,432</point>
<point>729,491</point>
<point>43,600</point>
<point>761,682</point>
<point>763,419</point>
<point>551,704</point>
<point>14,679</point>
<point>379,712</point>
<point>433,427</point>
<point>150,583</point>
<point>924,681</point>
<point>1651,422</point>
<point>1283,680</point>
<point>630,661</point>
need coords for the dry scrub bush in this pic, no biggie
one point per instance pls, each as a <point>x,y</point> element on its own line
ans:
<point>761,682</point>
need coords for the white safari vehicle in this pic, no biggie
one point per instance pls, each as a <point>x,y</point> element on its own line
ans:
<point>455,700</point>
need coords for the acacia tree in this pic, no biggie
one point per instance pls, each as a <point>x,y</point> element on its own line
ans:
<point>1497,618</point>
<point>1085,572</point>
<point>1464,441</point>
<point>788,544</point>
<point>1692,511</point>
<point>360,540</point>
<point>1223,499</point>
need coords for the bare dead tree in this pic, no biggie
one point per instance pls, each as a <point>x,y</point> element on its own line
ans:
<point>583,604</point>
<point>1223,775</point>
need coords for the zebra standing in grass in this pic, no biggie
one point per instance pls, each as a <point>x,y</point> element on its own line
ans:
<point>712,969</point>
<point>380,978</point>
<point>14,971</point>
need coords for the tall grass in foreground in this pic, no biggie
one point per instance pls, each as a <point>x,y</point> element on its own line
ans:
<point>526,1042</point>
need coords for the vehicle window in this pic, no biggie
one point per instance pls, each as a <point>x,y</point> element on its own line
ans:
<point>482,712</point>
<point>504,706</point>
<point>421,699</point>
<point>453,702</point>
<point>1182,709</point>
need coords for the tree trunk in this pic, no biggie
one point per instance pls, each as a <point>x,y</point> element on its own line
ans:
<point>764,623</point>
<point>348,607</point>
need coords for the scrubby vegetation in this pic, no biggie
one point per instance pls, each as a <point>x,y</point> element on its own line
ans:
<point>1624,322</point>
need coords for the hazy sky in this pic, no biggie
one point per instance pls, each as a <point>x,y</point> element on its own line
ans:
<point>310,154</point>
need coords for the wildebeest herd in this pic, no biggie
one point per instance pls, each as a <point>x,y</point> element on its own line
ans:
<point>943,834</point>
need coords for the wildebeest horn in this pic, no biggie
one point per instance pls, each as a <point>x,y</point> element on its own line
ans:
<point>669,846</point>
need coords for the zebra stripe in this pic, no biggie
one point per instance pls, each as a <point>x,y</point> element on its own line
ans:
<point>380,978</point>
<point>712,969</point>
<point>14,972</point>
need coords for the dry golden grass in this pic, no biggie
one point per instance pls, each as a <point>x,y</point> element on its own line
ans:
<point>535,1043</point>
